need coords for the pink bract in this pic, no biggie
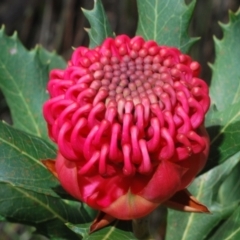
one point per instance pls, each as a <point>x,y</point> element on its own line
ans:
<point>128,119</point>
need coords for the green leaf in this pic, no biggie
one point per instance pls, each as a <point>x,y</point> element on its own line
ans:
<point>51,59</point>
<point>29,193</point>
<point>223,128</point>
<point>225,83</point>
<point>20,156</point>
<point>208,189</point>
<point>219,187</point>
<point>166,21</point>
<point>100,26</point>
<point>230,230</point>
<point>228,192</point>
<point>223,118</point>
<point>23,78</point>
<point>56,231</point>
<point>119,230</point>
<point>80,229</point>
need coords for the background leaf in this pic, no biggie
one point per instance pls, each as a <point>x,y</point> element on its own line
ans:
<point>29,192</point>
<point>223,117</point>
<point>100,26</point>
<point>166,21</point>
<point>223,128</point>
<point>20,157</point>
<point>218,188</point>
<point>51,59</point>
<point>230,229</point>
<point>23,78</point>
<point>225,84</point>
<point>208,188</point>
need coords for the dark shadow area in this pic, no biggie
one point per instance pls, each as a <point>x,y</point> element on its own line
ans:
<point>223,144</point>
<point>214,154</point>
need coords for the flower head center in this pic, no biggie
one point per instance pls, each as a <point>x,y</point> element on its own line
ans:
<point>127,103</point>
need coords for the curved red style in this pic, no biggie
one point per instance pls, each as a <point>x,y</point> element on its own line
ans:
<point>127,117</point>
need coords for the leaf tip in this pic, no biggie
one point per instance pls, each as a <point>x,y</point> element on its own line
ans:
<point>2,29</point>
<point>102,220</point>
<point>15,35</point>
<point>192,4</point>
<point>88,30</point>
<point>233,15</point>
<point>84,10</point>
<point>5,123</point>
<point>224,26</point>
<point>216,40</point>
<point>184,201</point>
<point>210,65</point>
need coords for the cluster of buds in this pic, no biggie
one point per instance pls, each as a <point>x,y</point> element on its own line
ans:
<point>127,117</point>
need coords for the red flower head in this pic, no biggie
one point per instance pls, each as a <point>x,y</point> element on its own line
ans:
<point>127,117</point>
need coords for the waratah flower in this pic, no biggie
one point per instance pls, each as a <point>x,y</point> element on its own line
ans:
<point>127,117</point>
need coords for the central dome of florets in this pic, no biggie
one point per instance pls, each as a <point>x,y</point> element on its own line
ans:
<point>127,104</point>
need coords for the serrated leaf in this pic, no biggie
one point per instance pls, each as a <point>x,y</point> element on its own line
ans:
<point>119,230</point>
<point>100,26</point>
<point>20,156</point>
<point>166,21</point>
<point>223,128</point>
<point>29,193</point>
<point>225,83</point>
<point>206,188</point>
<point>223,117</point>
<point>218,188</point>
<point>51,59</point>
<point>23,78</point>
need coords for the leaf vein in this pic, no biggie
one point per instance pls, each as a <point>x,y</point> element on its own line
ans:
<point>22,98</point>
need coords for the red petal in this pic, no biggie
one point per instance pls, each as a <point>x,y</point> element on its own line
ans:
<point>67,175</point>
<point>184,201</point>
<point>130,206</point>
<point>164,183</point>
<point>196,162</point>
